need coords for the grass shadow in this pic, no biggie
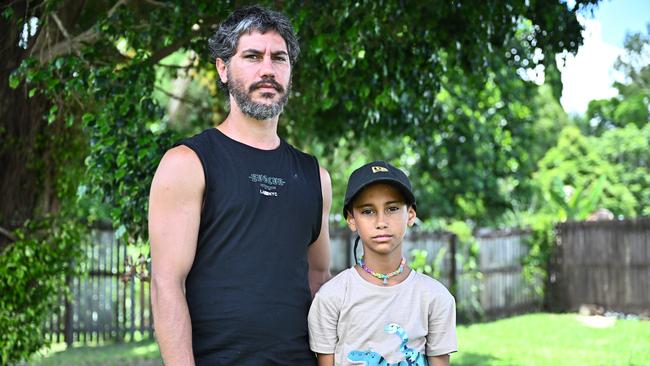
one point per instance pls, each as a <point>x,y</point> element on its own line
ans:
<point>476,359</point>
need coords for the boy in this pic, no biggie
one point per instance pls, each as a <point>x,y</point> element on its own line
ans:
<point>380,312</point>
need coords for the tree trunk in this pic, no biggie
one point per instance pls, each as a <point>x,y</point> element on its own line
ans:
<point>28,174</point>
<point>21,123</point>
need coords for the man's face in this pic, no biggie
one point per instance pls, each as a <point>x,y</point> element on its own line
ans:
<point>259,75</point>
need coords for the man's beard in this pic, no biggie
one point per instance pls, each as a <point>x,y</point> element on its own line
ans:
<point>259,111</point>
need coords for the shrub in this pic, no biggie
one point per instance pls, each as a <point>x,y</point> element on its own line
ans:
<point>32,279</point>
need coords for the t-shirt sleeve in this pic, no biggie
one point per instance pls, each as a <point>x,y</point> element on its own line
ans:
<point>441,339</point>
<point>323,318</point>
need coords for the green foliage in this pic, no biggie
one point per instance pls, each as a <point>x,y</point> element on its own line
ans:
<point>122,151</point>
<point>467,253</point>
<point>632,104</point>
<point>576,163</point>
<point>419,262</point>
<point>607,168</point>
<point>540,243</point>
<point>33,273</point>
<point>628,149</point>
<point>576,205</point>
<point>386,74</point>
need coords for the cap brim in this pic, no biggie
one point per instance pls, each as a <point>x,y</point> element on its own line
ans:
<point>409,198</point>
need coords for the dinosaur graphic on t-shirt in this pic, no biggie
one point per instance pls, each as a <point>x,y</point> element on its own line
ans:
<point>413,357</point>
<point>371,358</point>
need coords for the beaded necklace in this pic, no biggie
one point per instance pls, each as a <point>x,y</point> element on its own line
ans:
<point>382,276</point>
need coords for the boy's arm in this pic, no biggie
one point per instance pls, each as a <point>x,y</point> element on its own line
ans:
<point>325,359</point>
<point>174,214</point>
<point>441,339</point>
<point>318,254</point>
<point>322,321</point>
<point>442,360</point>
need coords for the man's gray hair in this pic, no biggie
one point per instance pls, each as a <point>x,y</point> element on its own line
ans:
<point>223,44</point>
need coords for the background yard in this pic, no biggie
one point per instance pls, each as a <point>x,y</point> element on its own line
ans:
<point>525,203</point>
<point>527,340</point>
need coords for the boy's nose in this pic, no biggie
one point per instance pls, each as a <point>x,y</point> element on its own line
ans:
<point>381,221</point>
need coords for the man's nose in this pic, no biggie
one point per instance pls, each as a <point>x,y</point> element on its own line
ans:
<point>266,67</point>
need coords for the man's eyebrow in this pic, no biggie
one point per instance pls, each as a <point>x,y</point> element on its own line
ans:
<point>276,53</point>
<point>251,50</point>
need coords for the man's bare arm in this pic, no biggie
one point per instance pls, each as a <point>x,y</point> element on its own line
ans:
<point>319,251</point>
<point>174,215</point>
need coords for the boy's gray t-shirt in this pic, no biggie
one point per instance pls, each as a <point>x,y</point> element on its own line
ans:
<point>351,317</point>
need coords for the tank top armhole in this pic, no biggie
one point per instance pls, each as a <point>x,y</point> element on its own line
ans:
<point>194,147</point>
<point>319,221</point>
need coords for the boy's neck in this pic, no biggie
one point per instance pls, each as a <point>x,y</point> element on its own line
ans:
<point>383,264</point>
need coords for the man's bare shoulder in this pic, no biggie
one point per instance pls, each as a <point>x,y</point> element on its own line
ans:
<point>180,166</point>
<point>180,155</point>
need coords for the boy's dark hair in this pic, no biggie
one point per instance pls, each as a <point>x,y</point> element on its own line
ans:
<point>376,172</point>
<point>223,44</point>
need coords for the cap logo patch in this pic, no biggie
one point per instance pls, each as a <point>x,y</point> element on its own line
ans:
<point>377,169</point>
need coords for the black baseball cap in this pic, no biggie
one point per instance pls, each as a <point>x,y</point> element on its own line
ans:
<point>375,172</point>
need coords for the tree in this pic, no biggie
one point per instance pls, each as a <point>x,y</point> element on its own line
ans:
<point>628,150</point>
<point>574,169</point>
<point>632,104</point>
<point>384,71</point>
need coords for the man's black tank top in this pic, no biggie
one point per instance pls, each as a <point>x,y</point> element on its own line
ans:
<point>247,291</point>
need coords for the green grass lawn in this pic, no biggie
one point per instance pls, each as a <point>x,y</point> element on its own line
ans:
<point>143,353</point>
<point>528,340</point>
<point>553,339</point>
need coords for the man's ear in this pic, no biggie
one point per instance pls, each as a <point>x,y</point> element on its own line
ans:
<point>411,216</point>
<point>351,223</point>
<point>222,69</point>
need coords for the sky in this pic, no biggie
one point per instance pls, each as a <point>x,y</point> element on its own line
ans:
<point>590,74</point>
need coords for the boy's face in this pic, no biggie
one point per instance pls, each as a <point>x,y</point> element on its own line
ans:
<point>380,216</point>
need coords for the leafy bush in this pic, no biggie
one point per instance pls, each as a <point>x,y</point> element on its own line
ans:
<point>540,243</point>
<point>33,274</point>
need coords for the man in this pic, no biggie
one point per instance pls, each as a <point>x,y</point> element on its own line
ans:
<point>238,219</point>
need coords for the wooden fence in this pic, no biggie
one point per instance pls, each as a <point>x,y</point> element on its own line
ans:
<point>110,301</point>
<point>499,290</point>
<point>603,263</point>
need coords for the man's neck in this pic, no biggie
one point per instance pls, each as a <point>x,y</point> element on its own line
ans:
<point>260,134</point>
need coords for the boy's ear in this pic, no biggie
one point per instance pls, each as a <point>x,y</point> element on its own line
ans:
<point>411,216</point>
<point>222,69</point>
<point>351,223</point>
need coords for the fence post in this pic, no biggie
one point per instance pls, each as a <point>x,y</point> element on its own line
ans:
<point>67,316</point>
<point>452,265</point>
